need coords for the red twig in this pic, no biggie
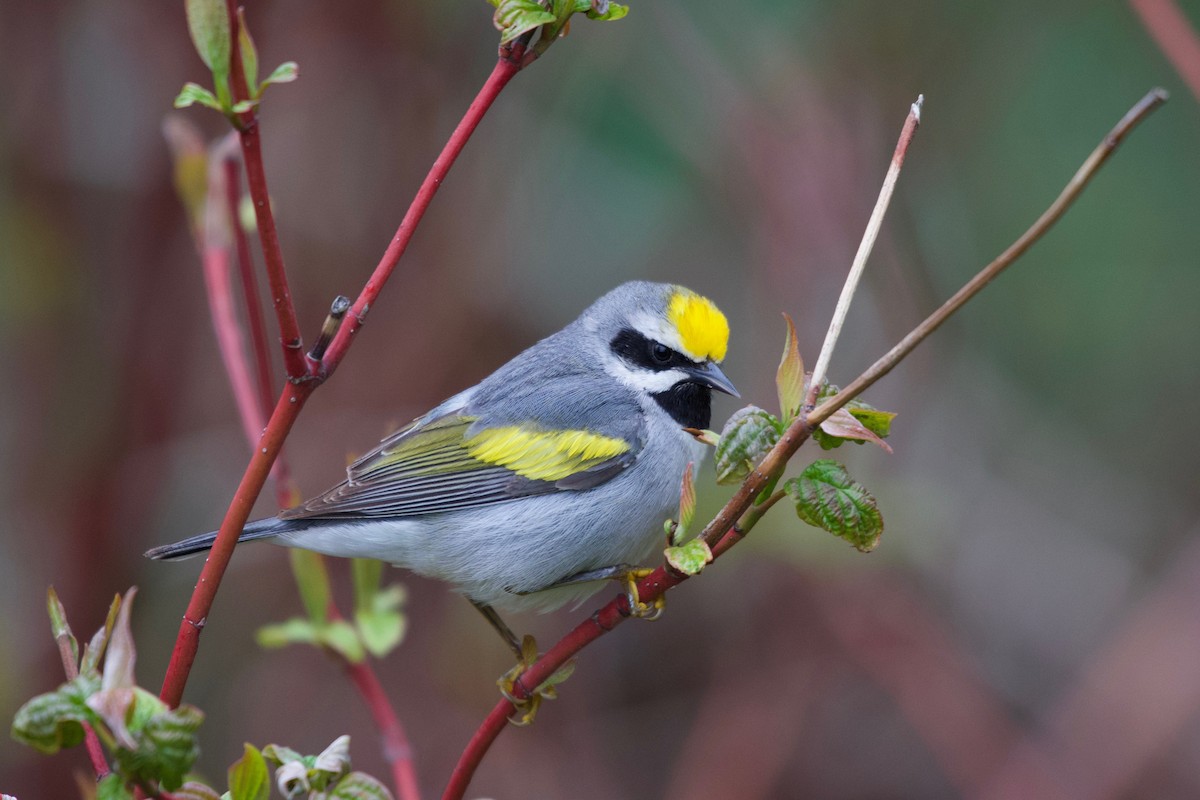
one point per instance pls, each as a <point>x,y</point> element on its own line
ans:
<point>187,642</point>
<point>295,394</point>
<point>90,739</point>
<point>256,180</point>
<point>1175,36</point>
<point>722,533</point>
<point>396,749</point>
<point>506,67</point>
<point>229,340</point>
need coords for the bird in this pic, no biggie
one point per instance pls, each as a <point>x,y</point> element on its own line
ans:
<point>555,472</point>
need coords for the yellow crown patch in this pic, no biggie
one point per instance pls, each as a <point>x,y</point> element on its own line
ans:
<point>702,327</point>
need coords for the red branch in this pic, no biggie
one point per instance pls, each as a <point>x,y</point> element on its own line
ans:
<point>396,749</point>
<point>256,180</point>
<point>295,394</point>
<point>722,532</point>
<point>1175,36</point>
<point>508,65</point>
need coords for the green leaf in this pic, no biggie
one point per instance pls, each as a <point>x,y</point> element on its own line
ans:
<point>195,93</point>
<point>331,763</point>
<point>360,786</point>
<point>341,637</point>
<point>687,501</point>
<point>605,11</point>
<point>514,18</point>
<point>292,631</point>
<point>248,50</point>
<point>842,424</point>
<point>242,106</point>
<point>313,581</point>
<point>366,575</point>
<point>248,777</point>
<point>748,436</point>
<point>286,72</point>
<point>194,790</point>
<point>58,623</point>
<point>789,377</point>
<point>95,648</point>
<point>112,787</point>
<point>828,498</point>
<point>172,733</point>
<point>689,558</point>
<point>122,653</point>
<point>381,625</point>
<point>208,23</point>
<point>279,755</point>
<point>876,421</point>
<point>52,721</point>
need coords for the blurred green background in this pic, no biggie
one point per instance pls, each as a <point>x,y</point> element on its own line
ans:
<point>1030,625</point>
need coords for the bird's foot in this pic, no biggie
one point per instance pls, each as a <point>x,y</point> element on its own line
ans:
<point>526,703</point>
<point>647,611</point>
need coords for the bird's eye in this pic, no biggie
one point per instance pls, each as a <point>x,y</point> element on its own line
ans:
<point>660,352</point>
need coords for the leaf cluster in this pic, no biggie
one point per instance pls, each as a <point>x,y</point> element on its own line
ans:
<point>208,23</point>
<point>548,19</point>
<point>824,494</point>
<point>379,624</point>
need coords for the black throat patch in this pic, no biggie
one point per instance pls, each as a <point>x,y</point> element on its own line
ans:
<point>688,403</point>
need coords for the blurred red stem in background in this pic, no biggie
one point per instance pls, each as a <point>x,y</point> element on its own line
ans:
<point>245,265</point>
<point>1175,36</point>
<point>722,532</point>
<point>296,393</point>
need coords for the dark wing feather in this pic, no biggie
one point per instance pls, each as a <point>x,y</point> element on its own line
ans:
<point>428,468</point>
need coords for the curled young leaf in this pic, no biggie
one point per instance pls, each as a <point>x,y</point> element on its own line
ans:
<point>312,579</point>
<point>842,424</point>
<point>687,501</point>
<point>359,786</point>
<point>195,93</point>
<point>828,498</point>
<point>121,654</point>
<point>248,777</point>
<point>59,627</point>
<point>52,721</point>
<point>789,377</point>
<point>514,18</point>
<point>748,436</point>
<point>689,558</point>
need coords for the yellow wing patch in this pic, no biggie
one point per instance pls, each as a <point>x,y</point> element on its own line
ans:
<point>543,455</point>
<point>702,327</point>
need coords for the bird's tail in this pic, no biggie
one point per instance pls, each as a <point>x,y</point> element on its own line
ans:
<point>260,529</point>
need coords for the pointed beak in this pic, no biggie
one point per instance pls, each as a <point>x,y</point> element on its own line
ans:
<point>710,374</point>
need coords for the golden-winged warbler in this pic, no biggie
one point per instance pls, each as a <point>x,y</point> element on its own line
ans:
<point>561,465</point>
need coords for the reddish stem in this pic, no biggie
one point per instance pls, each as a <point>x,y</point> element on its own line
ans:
<point>71,670</point>
<point>296,393</point>
<point>1175,36</point>
<point>229,340</point>
<point>256,180</point>
<point>722,532</point>
<point>255,477</point>
<point>506,67</point>
<point>245,265</point>
<point>285,496</point>
<point>396,748</point>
